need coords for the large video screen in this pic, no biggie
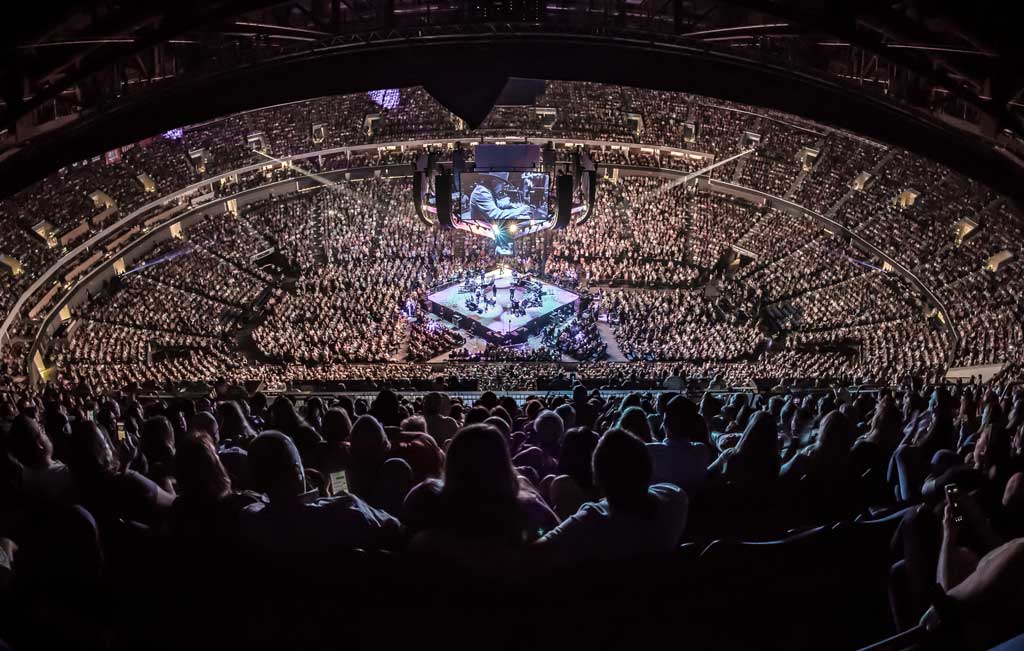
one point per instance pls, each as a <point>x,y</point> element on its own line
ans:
<point>495,197</point>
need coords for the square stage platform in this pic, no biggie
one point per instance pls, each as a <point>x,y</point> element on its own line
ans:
<point>497,321</point>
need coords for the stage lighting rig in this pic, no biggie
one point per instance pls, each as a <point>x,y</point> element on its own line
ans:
<point>506,192</point>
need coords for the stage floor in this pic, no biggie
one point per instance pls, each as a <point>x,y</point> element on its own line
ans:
<point>497,318</point>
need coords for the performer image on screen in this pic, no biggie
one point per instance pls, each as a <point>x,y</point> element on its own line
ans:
<point>487,203</point>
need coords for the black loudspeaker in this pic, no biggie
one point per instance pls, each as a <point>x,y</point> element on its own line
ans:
<point>549,158</point>
<point>417,186</point>
<point>443,195</point>
<point>564,194</point>
<point>458,160</point>
<point>419,182</point>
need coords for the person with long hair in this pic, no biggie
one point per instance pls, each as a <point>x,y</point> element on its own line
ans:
<point>828,458</point>
<point>634,420</point>
<point>929,433</point>
<point>235,429</point>
<point>966,421</point>
<point>373,472</point>
<point>885,428</point>
<point>285,418</point>
<point>872,451</point>
<point>540,451</point>
<point>157,442</point>
<point>206,505</point>
<point>314,409</point>
<point>823,474</point>
<point>480,498</point>
<point>436,408</point>
<point>336,429</point>
<point>586,414</point>
<point>387,409</point>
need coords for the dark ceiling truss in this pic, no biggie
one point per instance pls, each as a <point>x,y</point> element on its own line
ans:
<point>873,26</point>
<point>404,57</point>
<point>136,30</point>
<point>94,53</point>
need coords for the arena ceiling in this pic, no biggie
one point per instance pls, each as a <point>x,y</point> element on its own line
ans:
<point>937,77</point>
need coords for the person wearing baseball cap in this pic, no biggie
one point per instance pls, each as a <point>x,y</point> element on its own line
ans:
<point>484,206</point>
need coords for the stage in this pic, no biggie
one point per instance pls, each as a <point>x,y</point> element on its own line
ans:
<point>497,322</point>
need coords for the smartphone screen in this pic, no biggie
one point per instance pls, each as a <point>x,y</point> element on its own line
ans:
<point>120,432</point>
<point>339,482</point>
<point>953,499</point>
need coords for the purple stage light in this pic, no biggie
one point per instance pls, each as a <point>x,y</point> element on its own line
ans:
<point>174,134</point>
<point>167,257</point>
<point>387,98</point>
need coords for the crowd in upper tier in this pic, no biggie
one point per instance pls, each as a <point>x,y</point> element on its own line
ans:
<point>358,252</point>
<point>353,258</point>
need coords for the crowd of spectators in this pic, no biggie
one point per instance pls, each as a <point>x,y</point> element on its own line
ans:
<point>579,336</point>
<point>495,353</point>
<point>678,325</point>
<point>360,257</point>
<point>777,161</point>
<point>429,338</point>
<point>97,483</point>
<point>358,251</point>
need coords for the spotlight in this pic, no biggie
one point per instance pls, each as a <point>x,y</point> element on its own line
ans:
<point>512,228</point>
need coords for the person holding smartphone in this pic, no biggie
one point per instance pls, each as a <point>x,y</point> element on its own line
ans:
<point>296,521</point>
<point>984,606</point>
<point>967,535</point>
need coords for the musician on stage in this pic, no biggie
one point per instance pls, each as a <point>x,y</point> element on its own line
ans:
<point>486,206</point>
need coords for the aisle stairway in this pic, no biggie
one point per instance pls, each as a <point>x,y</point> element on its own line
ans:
<point>831,212</point>
<point>402,353</point>
<point>804,173</point>
<point>608,336</point>
<point>737,174</point>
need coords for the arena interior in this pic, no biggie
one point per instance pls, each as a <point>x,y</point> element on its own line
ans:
<point>721,303</point>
